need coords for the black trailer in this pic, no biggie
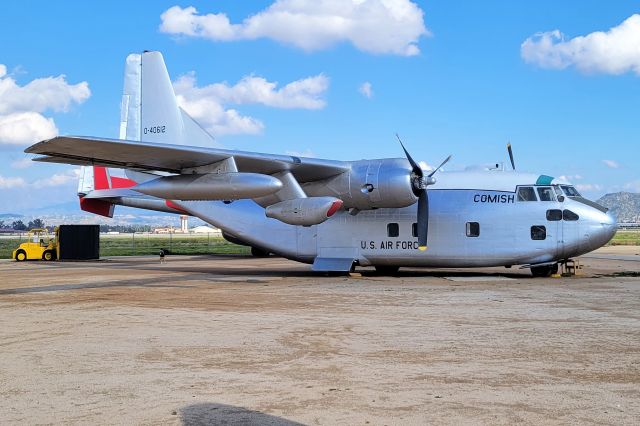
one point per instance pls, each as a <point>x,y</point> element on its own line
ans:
<point>78,242</point>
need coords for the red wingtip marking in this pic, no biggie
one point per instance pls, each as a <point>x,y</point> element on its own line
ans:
<point>337,205</point>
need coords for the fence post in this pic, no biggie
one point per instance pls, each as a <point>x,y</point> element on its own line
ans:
<point>133,243</point>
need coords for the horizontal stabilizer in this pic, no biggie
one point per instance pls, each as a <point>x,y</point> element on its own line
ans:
<point>113,193</point>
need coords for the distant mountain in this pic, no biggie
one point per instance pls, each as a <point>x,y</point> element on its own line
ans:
<point>624,205</point>
<point>10,215</point>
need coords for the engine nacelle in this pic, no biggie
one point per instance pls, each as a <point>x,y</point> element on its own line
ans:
<point>304,211</point>
<point>370,184</point>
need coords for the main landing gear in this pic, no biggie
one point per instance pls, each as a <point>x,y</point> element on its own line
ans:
<point>256,252</point>
<point>387,269</point>
<point>544,270</point>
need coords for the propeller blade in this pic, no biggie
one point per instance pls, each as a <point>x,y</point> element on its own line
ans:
<point>440,166</point>
<point>416,168</point>
<point>513,164</point>
<point>423,219</point>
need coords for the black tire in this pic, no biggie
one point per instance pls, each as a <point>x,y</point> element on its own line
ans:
<point>387,269</point>
<point>21,256</point>
<point>544,271</point>
<point>48,255</point>
<point>256,252</point>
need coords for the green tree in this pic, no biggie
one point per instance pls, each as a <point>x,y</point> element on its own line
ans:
<point>19,225</point>
<point>35,223</point>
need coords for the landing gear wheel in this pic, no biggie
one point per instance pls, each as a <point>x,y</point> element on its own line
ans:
<point>47,255</point>
<point>387,269</point>
<point>544,271</point>
<point>21,256</point>
<point>256,252</point>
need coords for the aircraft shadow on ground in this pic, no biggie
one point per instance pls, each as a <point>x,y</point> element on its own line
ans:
<point>220,414</point>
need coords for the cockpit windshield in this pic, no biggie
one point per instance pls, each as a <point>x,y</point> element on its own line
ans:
<point>570,191</point>
<point>545,193</point>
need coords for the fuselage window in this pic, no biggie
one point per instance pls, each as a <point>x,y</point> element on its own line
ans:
<point>546,193</point>
<point>414,230</point>
<point>570,191</point>
<point>473,229</point>
<point>526,193</point>
<point>393,230</point>
<point>569,215</point>
<point>554,215</point>
<point>538,232</point>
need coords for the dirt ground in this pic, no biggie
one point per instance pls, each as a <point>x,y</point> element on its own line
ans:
<point>239,340</point>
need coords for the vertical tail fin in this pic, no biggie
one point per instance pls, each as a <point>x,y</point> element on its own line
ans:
<point>150,110</point>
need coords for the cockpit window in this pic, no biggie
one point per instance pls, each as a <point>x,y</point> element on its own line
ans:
<point>526,193</point>
<point>546,193</point>
<point>570,191</point>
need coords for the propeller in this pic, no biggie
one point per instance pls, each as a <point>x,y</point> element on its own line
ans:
<point>513,164</point>
<point>419,185</point>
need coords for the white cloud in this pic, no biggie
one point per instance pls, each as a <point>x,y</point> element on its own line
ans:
<point>570,178</point>
<point>22,128</point>
<point>55,180</point>
<point>41,94</point>
<point>611,164</point>
<point>22,163</point>
<point>21,121</point>
<point>366,90</point>
<point>633,186</point>
<point>58,179</point>
<point>589,187</point>
<point>206,104</point>
<point>11,182</point>
<point>373,26</point>
<point>615,51</point>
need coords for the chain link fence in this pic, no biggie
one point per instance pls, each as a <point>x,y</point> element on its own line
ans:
<point>143,243</point>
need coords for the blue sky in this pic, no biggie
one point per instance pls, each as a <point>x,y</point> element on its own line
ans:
<point>449,77</point>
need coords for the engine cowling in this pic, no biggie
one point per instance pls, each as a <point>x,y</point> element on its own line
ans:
<point>304,211</point>
<point>370,184</point>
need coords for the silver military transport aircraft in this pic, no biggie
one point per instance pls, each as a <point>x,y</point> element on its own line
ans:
<point>386,213</point>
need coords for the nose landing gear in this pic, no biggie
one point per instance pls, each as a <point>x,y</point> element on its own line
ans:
<point>567,268</point>
<point>570,267</point>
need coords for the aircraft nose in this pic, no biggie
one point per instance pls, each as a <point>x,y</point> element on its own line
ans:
<point>611,226</point>
<point>608,229</point>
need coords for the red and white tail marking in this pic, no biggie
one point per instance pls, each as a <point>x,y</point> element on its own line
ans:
<point>98,178</point>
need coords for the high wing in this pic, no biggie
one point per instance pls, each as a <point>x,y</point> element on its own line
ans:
<point>150,156</point>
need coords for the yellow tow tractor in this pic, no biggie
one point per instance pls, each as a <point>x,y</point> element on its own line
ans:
<point>38,246</point>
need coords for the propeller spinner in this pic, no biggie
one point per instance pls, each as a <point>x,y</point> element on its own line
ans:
<point>419,185</point>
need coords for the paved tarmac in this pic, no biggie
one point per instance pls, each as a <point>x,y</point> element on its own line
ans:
<point>240,340</point>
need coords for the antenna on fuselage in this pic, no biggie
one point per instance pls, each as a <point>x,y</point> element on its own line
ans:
<point>513,164</point>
